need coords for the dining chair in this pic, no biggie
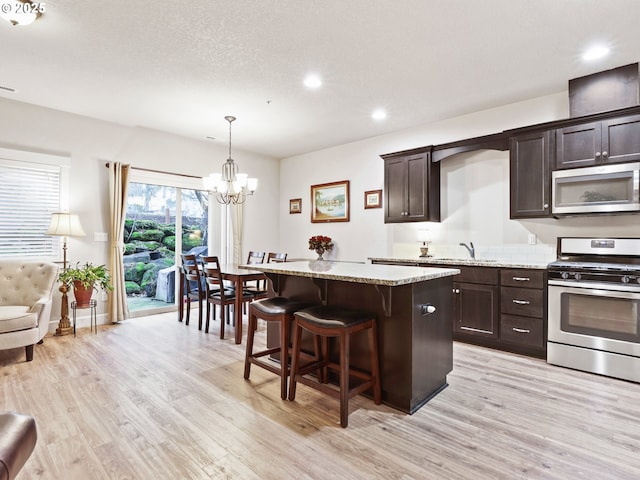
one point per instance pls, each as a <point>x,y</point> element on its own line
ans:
<point>193,286</point>
<point>229,288</point>
<point>259,289</point>
<point>276,257</point>
<point>253,288</point>
<point>255,257</point>
<point>217,294</point>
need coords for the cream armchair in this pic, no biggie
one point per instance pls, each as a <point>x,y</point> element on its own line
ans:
<point>26,289</point>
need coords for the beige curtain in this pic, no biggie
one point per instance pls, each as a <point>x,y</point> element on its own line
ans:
<point>118,184</point>
<point>237,213</point>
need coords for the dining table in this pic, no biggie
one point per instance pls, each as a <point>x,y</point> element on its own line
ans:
<point>238,276</point>
<point>233,273</point>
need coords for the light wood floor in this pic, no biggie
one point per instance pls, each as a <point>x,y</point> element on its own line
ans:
<point>154,399</point>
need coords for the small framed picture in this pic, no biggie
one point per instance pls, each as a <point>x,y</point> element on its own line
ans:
<point>295,205</point>
<point>373,199</point>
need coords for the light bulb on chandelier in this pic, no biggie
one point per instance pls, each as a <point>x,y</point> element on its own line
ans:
<point>230,186</point>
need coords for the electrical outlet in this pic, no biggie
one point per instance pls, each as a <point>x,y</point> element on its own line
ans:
<point>531,239</point>
<point>104,296</point>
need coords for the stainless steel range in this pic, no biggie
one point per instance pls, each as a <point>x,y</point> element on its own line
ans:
<point>594,306</point>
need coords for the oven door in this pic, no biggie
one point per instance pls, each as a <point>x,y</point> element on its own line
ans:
<point>598,316</point>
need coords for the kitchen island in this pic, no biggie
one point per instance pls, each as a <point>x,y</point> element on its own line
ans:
<point>413,306</point>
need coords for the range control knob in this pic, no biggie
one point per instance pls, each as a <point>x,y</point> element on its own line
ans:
<point>564,275</point>
<point>625,279</point>
<point>577,276</point>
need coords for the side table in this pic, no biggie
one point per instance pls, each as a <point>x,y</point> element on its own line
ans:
<point>93,303</point>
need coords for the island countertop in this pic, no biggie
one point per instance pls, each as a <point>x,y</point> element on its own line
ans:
<point>388,275</point>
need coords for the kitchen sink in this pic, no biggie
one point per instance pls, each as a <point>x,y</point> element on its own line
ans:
<point>463,260</point>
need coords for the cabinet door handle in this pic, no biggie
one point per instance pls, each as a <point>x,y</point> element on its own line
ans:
<point>427,309</point>
<point>521,302</point>
<point>456,290</point>
<point>597,154</point>
<point>520,330</point>
<point>546,205</point>
<point>521,279</point>
<point>478,330</point>
<point>605,154</point>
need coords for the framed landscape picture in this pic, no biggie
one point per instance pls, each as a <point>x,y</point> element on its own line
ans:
<point>373,199</point>
<point>295,205</point>
<point>330,202</point>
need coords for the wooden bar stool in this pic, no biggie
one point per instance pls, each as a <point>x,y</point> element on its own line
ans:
<point>331,321</point>
<point>275,309</point>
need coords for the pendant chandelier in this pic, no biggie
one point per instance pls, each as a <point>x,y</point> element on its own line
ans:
<point>230,187</point>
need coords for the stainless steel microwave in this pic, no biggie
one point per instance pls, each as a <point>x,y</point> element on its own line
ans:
<point>600,189</point>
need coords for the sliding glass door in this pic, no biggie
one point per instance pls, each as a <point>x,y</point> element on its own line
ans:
<point>161,223</point>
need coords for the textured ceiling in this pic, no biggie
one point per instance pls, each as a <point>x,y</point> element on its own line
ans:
<point>181,66</point>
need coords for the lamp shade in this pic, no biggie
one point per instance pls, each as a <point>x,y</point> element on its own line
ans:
<point>424,235</point>
<point>65,225</point>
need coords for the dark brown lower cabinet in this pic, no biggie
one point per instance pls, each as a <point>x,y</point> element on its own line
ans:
<point>476,310</point>
<point>498,307</point>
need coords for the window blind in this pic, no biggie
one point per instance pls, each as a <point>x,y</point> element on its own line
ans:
<point>29,193</point>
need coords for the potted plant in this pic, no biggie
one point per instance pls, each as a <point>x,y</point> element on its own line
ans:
<point>85,279</point>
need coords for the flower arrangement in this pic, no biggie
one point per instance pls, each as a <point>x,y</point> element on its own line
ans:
<point>320,244</point>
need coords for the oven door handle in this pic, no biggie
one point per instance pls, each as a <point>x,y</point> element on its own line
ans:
<point>624,290</point>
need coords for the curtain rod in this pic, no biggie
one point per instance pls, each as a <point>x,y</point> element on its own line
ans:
<point>159,171</point>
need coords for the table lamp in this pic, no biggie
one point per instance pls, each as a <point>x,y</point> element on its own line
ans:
<point>425,238</point>
<point>64,225</point>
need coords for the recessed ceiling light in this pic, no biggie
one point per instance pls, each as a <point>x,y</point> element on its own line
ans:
<point>312,81</point>
<point>379,114</point>
<point>595,52</point>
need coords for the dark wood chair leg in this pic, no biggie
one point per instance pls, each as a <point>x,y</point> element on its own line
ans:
<point>222,320</point>
<point>253,320</point>
<point>29,352</point>
<point>295,359</point>
<point>206,323</point>
<point>344,340</point>
<point>284,357</point>
<point>323,373</point>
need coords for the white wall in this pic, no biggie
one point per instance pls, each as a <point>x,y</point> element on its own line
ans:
<point>474,196</point>
<point>91,143</point>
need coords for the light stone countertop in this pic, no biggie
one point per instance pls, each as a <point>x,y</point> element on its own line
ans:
<point>462,262</point>
<point>388,275</point>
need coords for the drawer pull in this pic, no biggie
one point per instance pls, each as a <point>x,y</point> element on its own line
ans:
<point>521,302</point>
<point>520,330</point>
<point>521,279</point>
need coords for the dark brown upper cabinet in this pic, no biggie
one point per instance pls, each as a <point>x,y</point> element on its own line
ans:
<point>530,185</point>
<point>411,187</point>
<point>614,140</point>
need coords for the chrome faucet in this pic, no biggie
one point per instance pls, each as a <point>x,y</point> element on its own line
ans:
<point>471,250</point>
